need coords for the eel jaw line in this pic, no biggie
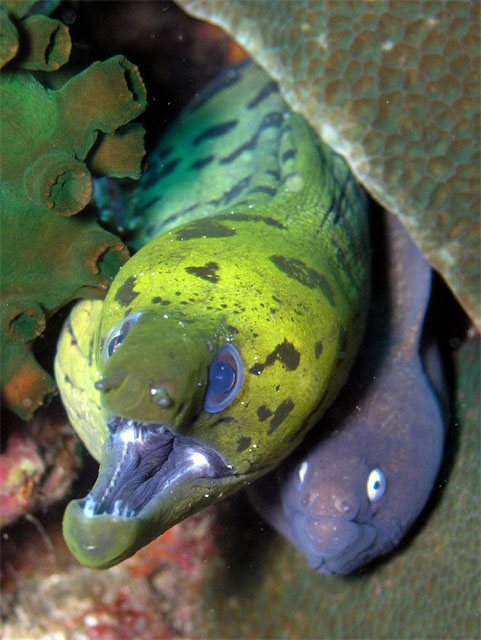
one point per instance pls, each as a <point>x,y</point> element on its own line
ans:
<point>144,461</point>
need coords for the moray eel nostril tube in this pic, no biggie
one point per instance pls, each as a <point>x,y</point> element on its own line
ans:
<point>356,491</point>
<point>225,337</point>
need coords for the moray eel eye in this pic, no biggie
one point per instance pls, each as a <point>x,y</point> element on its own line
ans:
<point>376,485</point>
<point>117,335</point>
<point>226,375</point>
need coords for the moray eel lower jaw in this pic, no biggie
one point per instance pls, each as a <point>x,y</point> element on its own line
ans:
<point>333,546</point>
<point>147,473</point>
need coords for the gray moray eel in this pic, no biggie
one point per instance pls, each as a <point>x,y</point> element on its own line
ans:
<point>354,494</point>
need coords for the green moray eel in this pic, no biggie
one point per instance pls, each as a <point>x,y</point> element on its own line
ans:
<point>357,490</point>
<point>227,335</point>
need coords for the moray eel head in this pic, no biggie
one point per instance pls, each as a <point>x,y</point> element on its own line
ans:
<point>335,521</point>
<point>359,489</point>
<point>146,459</point>
<point>203,387</point>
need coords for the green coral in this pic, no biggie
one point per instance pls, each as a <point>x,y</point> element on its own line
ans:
<point>394,87</point>
<point>46,43</point>
<point>50,141</point>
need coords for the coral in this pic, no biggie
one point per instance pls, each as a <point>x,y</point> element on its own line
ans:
<point>46,43</point>
<point>20,469</point>
<point>37,466</point>
<point>394,87</point>
<point>155,594</point>
<point>50,141</point>
<point>184,546</point>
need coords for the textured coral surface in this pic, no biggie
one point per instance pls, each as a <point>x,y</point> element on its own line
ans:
<point>35,41</point>
<point>151,596</point>
<point>50,140</point>
<point>38,463</point>
<point>393,86</point>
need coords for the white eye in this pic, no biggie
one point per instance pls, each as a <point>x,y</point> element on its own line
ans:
<point>303,471</point>
<point>376,485</point>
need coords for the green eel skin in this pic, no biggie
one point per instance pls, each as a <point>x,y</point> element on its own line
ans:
<point>223,339</point>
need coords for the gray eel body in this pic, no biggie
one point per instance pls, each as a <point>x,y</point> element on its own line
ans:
<point>353,494</point>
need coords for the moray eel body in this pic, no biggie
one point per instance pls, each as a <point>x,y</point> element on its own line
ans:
<point>353,495</point>
<point>224,338</point>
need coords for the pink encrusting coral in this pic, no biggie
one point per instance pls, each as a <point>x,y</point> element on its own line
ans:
<point>155,594</point>
<point>37,466</point>
<point>20,470</point>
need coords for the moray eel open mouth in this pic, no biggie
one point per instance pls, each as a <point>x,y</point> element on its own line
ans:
<point>146,460</point>
<point>334,546</point>
<point>149,478</point>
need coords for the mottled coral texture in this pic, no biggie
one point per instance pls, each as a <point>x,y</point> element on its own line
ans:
<point>394,87</point>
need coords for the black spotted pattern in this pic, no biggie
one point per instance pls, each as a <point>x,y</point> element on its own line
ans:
<point>207,272</point>
<point>159,300</point>
<point>156,173</point>
<point>298,270</point>
<point>311,417</point>
<point>263,413</point>
<point>280,414</point>
<point>201,163</point>
<point>265,92</point>
<point>216,131</point>
<point>269,191</point>
<point>285,352</point>
<point>289,155</point>
<point>126,293</point>
<point>249,217</point>
<point>243,444</point>
<point>204,228</point>
<point>73,338</point>
<point>222,82</point>
<point>273,119</point>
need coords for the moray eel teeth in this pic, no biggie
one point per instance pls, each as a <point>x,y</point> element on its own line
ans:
<point>145,461</point>
<point>144,466</point>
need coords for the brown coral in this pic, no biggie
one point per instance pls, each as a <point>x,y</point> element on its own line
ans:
<point>46,42</point>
